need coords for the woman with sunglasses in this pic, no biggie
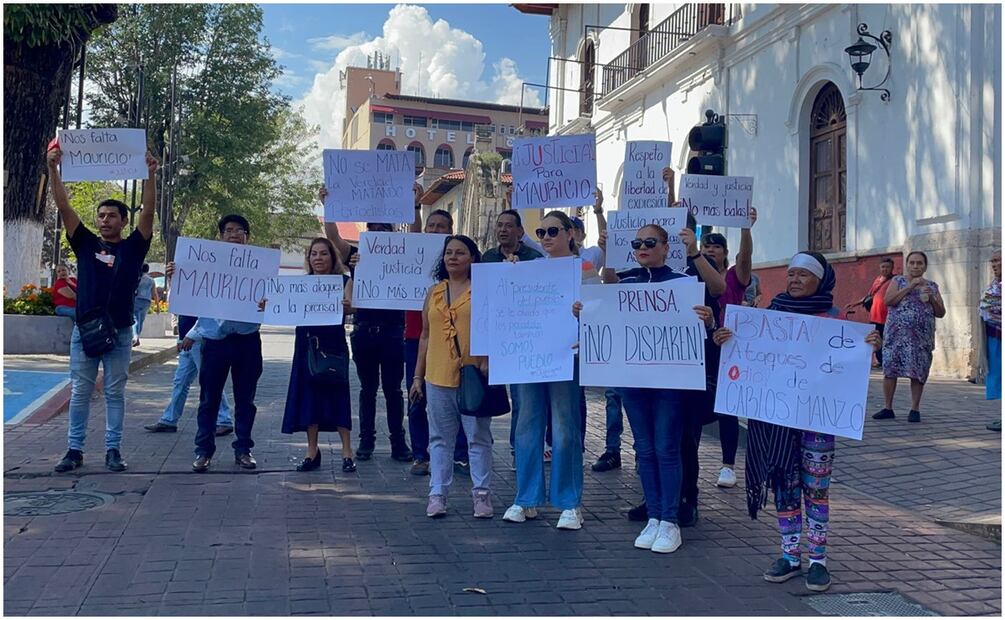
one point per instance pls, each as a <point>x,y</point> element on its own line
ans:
<point>563,398</point>
<point>656,415</point>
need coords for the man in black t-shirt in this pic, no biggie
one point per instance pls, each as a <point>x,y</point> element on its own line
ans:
<point>108,270</point>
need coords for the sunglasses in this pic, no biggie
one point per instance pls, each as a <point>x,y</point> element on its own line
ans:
<point>552,231</point>
<point>649,242</point>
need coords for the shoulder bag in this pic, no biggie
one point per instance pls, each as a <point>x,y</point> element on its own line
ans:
<point>328,368</point>
<point>98,334</point>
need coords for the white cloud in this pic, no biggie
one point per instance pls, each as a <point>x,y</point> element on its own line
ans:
<point>289,80</point>
<point>280,54</point>
<point>445,61</point>
<point>319,66</point>
<point>337,42</point>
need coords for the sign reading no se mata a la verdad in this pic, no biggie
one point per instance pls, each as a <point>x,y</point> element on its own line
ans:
<point>369,186</point>
<point>554,172</point>
<point>103,154</point>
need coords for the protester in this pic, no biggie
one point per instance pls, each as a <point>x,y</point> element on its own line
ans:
<point>875,303</point>
<point>991,315</point>
<point>109,269</point>
<point>594,257</point>
<point>914,303</point>
<point>657,415</point>
<point>438,222</point>
<point>146,293</point>
<point>231,348</point>
<point>64,293</point>
<point>444,347</point>
<point>794,463</point>
<point>563,398</point>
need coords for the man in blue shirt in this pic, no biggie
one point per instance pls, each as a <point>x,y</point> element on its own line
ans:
<point>228,348</point>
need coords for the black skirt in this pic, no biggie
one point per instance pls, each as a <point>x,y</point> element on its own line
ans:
<point>308,403</point>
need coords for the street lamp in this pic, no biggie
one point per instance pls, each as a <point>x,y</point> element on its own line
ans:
<point>860,57</point>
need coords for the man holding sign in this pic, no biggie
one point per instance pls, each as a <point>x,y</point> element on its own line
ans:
<point>795,455</point>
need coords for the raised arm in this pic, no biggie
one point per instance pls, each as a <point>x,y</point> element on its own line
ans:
<point>70,218</point>
<point>331,231</point>
<point>744,260</point>
<point>416,225</point>
<point>713,280</point>
<point>668,178</point>
<point>145,221</point>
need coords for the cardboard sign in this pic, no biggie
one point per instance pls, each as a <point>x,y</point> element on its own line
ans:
<point>717,201</point>
<point>623,226</point>
<point>554,172</point>
<point>531,328</point>
<point>218,280</point>
<point>304,300</point>
<point>369,186</point>
<point>795,370</point>
<point>642,185</point>
<point>103,154</point>
<point>395,269</point>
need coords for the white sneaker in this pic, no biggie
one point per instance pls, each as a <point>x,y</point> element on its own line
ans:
<point>648,535</point>
<point>570,520</point>
<point>727,478</point>
<point>667,538</point>
<point>519,514</point>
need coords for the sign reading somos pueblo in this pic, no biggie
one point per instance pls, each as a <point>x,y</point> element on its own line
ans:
<point>554,172</point>
<point>795,370</point>
<point>642,186</point>
<point>717,201</point>
<point>220,280</point>
<point>624,224</point>
<point>103,154</point>
<point>369,186</point>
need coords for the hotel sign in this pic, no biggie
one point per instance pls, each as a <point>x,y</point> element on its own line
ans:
<point>433,135</point>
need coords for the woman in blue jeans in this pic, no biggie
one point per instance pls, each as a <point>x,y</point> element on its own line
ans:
<point>656,415</point>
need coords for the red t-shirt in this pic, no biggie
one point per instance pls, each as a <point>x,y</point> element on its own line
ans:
<point>733,294</point>
<point>62,300</point>
<point>877,314</point>
<point>413,324</point>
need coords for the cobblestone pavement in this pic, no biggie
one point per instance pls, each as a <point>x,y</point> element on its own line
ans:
<point>277,542</point>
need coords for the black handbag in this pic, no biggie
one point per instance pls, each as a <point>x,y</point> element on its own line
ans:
<point>329,368</point>
<point>867,302</point>
<point>98,334</point>
<point>475,397</point>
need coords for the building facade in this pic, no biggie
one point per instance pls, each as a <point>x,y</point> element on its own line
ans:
<point>836,169</point>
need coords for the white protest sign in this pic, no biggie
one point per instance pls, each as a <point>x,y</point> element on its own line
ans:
<point>795,370</point>
<point>369,186</point>
<point>103,154</point>
<point>718,201</point>
<point>531,326</point>
<point>642,335</point>
<point>395,269</point>
<point>554,172</point>
<point>624,224</point>
<point>481,299</point>
<point>304,300</point>
<point>642,185</point>
<point>220,280</point>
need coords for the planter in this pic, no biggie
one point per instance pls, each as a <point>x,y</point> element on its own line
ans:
<point>36,334</point>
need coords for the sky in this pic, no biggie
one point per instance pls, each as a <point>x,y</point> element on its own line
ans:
<point>481,52</point>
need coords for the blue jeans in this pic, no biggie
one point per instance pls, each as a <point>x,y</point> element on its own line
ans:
<point>567,456</point>
<point>657,421</point>
<point>140,307</point>
<point>615,423</point>
<point>67,311</point>
<point>84,374</point>
<point>189,363</point>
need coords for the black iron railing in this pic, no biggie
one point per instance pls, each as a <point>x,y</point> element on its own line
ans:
<point>665,37</point>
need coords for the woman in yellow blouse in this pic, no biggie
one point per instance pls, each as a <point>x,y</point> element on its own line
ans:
<point>445,346</point>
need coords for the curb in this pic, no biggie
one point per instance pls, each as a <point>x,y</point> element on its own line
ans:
<point>60,402</point>
<point>990,529</point>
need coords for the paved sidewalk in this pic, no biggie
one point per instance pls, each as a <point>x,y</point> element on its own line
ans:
<point>278,542</point>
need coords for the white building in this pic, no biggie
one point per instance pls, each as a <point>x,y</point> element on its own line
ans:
<point>836,169</point>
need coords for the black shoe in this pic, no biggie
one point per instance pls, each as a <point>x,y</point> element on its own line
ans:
<point>310,464</point>
<point>607,462</point>
<point>348,466</point>
<point>995,426</point>
<point>818,578</point>
<point>400,451</point>
<point>365,449</point>
<point>687,515</point>
<point>781,570</point>
<point>113,460</point>
<point>161,427</point>
<point>462,467</point>
<point>914,416</point>
<point>223,431</point>
<point>639,513</point>
<point>72,460</point>
<point>883,414</point>
<point>420,467</point>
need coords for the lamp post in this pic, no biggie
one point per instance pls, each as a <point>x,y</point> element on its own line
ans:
<point>860,57</point>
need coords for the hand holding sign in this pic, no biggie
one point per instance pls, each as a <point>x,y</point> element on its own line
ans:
<point>103,154</point>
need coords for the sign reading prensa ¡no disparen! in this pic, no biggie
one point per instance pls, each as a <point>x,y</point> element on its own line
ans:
<point>220,280</point>
<point>717,201</point>
<point>643,335</point>
<point>642,185</point>
<point>795,370</point>
<point>103,154</point>
<point>623,226</point>
<point>554,172</point>
<point>304,300</point>
<point>369,186</point>
<point>395,270</point>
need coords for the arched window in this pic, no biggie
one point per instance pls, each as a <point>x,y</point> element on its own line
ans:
<point>467,155</point>
<point>588,68</point>
<point>420,153</point>
<point>444,157</point>
<point>386,145</point>
<point>828,171</point>
<point>640,40</point>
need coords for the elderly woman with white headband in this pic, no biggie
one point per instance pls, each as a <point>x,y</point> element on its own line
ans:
<point>794,463</point>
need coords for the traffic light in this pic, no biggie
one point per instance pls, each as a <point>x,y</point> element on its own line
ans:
<point>708,143</point>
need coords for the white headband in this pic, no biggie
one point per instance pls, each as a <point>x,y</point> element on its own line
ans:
<point>807,262</point>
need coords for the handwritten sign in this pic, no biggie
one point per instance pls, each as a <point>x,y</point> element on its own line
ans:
<point>795,370</point>
<point>642,186</point>
<point>369,186</point>
<point>531,326</point>
<point>395,269</point>
<point>642,335</point>
<point>103,154</point>
<point>624,224</point>
<point>717,201</point>
<point>220,280</point>
<point>554,172</point>
<point>304,300</point>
